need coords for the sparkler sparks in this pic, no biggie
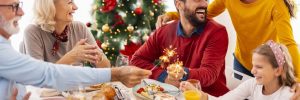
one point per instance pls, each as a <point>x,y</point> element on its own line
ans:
<point>166,59</point>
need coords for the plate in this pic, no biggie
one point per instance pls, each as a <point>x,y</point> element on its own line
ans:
<point>166,87</point>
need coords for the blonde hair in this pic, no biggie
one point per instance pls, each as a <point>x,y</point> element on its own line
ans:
<point>44,12</point>
<point>287,78</point>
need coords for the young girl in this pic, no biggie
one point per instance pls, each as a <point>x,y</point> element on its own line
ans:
<point>274,76</point>
<point>250,18</point>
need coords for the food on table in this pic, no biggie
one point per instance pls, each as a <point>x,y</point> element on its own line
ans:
<point>94,87</point>
<point>97,86</point>
<point>106,92</point>
<point>149,90</point>
<point>164,96</point>
<point>99,96</point>
<point>109,92</point>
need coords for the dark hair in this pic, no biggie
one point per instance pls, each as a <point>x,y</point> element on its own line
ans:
<point>291,5</point>
<point>287,78</point>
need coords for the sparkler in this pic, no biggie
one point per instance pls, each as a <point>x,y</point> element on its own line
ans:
<point>177,66</point>
<point>168,54</point>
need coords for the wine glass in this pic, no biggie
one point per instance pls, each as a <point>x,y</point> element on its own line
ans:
<point>122,60</point>
<point>77,94</point>
<point>195,83</point>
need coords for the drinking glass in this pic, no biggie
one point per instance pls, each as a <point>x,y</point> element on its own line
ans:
<point>122,60</point>
<point>192,95</point>
<point>195,83</point>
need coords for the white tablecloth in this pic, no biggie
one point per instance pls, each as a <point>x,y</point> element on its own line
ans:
<point>36,92</point>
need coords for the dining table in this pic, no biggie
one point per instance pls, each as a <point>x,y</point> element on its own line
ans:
<point>127,93</point>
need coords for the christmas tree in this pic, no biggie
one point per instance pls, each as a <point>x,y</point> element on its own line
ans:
<point>123,25</point>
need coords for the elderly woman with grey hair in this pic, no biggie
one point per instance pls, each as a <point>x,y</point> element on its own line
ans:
<point>55,37</point>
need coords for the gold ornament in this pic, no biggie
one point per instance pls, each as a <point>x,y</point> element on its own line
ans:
<point>105,28</point>
<point>145,37</point>
<point>151,13</point>
<point>130,28</point>
<point>104,46</point>
<point>95,7</point>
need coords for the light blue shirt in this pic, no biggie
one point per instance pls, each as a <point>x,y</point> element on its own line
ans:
<point>19,68</point>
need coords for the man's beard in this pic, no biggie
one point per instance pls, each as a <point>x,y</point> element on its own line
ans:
<point>192,17</point>
<point>8,26</point>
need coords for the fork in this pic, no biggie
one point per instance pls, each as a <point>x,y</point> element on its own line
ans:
<point>145,83</point>
<point>149,90</point>
<point>119,93</point>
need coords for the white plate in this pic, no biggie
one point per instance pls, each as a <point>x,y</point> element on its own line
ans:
<point>167,87</point>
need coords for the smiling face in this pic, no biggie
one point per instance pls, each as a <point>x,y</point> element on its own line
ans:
<point>195,11</point>
<point>9,17</point>
<point>263,70</point>
<point>64,10</point>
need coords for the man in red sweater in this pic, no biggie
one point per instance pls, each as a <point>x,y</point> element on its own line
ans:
<point>200,43</point>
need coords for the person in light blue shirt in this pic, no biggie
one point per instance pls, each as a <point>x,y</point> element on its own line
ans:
<point>22,69</point>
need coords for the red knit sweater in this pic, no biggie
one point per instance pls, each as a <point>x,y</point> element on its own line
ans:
<point>203,53</point>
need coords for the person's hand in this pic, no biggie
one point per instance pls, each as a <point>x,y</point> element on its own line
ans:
<point>129,75</point>
<point>296,90</point>
<point>102,61</point>
<point>99,55</point>
<point>161,20</point>
<point>83,52</point>
<point>186,86</point>
<point>174,75</point>
<point>15,93</point>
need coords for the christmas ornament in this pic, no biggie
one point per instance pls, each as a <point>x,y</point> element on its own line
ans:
<point>156,1</point>
<point>95,7</point>
<point>104,46</point>
<point>130,28</point>
<point>138,10</point>
<point>105,28</point>
<point>88,24</point>
<point>109,5</point>
<point>145,37</point>
<point>151,13</point>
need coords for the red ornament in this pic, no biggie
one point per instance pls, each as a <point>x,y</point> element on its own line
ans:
<point>118,19</point>
<point>98,43</point>
<point>156,1</point>
<point>109,5</point>
<point>88,24</point>
<point>130,49</point>
<point>138,10</point>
